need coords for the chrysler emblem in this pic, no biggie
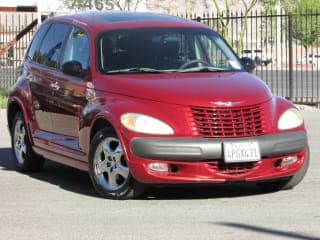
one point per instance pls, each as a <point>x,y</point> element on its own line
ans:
<point>226,104</point>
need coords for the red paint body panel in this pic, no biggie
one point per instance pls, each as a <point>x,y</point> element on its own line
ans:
<point>194,172</point>
<point>185,89</point>
<point>60,123</point>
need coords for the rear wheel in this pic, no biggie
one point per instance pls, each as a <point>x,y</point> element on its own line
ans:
<point>286,183</point>
<point>108,168</point>
<point>24,157</point>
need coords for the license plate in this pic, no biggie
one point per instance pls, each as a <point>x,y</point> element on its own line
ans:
<point>241,152</point>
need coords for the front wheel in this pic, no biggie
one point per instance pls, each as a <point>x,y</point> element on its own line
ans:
<point>108,168</point>
<point>289,182</point>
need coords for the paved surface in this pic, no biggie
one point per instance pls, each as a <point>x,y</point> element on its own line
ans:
<point>59,203</point>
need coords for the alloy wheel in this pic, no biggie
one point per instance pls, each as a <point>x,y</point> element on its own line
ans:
<point>110,168</point>
<point>20,146</point>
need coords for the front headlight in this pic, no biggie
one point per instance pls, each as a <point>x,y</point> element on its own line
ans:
<point>291,118</point>
<point>145,124</point>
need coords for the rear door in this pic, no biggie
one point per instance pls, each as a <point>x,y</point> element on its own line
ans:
<point>39,92</point>
<point>44,80</point>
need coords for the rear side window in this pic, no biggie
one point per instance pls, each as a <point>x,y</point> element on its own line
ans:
<point>35,45</point>
<point>77,48</point>
<point>52,44</point>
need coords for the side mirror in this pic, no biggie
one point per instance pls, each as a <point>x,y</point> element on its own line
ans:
<point>248,64</point>
<point>73,68</point>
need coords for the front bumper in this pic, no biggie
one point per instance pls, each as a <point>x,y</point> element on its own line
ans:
<point>201,159</point>
<point>195,149</point>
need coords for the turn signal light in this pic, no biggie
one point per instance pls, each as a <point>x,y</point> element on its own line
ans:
<point>289,160</point>
<point>159,167</point>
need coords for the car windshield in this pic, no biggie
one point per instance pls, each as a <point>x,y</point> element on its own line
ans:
<point>160,50</point>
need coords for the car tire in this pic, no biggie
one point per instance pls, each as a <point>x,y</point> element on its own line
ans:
<point>25,159</point>
<point>286,183</point>
<point>108,168</point>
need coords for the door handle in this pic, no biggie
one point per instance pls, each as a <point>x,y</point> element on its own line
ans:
<point>55,86</point>
<point>76,106</point>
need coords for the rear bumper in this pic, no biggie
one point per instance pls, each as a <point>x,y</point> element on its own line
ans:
<point>198,160</point>
<point>195,149</point>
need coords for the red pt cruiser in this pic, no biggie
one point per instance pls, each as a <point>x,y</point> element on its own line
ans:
<point>139,98</point>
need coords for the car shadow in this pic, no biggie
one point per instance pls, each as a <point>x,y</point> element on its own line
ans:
<point>65,177</point>
<point>74,180</point>
<point>267,231</point>
<point>202,191</point>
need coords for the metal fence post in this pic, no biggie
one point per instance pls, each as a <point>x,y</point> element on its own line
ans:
<point>290,39</point>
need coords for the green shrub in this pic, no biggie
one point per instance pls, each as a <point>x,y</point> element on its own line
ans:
<point>3,97</point>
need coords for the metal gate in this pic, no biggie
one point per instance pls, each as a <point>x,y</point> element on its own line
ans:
<point>285,47</point>
<point>16,31</point>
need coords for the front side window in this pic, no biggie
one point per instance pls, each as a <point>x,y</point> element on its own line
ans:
<point>51,46</point>
<point>77,48</point>
<point>164,50</point>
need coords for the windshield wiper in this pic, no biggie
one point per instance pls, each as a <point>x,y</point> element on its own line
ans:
<point>152,70</point>
<point>138,70</point>
<point>203,69</point>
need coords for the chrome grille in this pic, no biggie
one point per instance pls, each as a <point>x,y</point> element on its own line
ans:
<point>227,122</point>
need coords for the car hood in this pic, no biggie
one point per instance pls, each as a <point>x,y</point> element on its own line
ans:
<point>196,89</point>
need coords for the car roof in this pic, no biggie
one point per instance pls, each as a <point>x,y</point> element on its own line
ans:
<point>118,19</point>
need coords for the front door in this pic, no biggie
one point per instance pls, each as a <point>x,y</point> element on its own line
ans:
<point>70,92</point>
